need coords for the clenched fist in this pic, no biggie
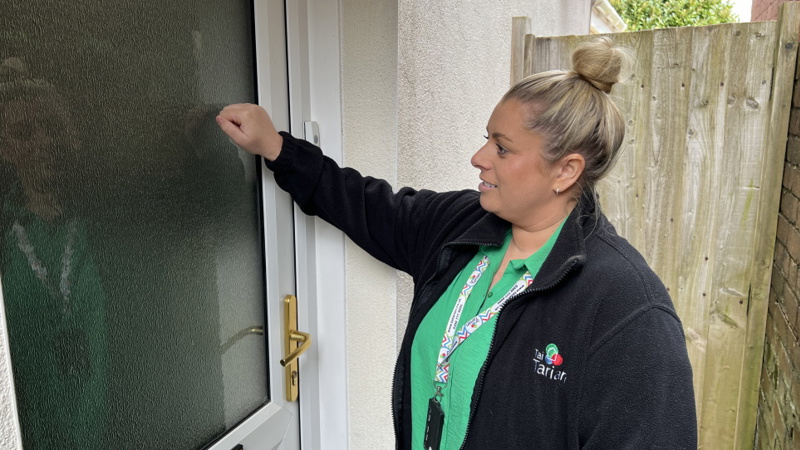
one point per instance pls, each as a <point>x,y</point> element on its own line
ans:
<point>250,127</point>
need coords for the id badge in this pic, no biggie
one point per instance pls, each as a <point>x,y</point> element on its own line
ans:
<point>433,426</point>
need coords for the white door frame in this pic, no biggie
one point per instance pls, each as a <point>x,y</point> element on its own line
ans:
<point>312,30</point>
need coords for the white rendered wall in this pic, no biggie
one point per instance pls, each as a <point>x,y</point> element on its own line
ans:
<point>369,122</point>
<point>9,426</point>
<point>419,81</point>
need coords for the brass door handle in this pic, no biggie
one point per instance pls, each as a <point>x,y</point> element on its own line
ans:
<point>305,341</point>
<point>295,343</point>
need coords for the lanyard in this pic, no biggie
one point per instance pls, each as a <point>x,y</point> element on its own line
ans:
<point>453,339</point>
<point>39,269</point>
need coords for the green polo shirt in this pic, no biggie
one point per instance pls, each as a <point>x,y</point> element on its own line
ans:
<point>60,358</point>
<point>467,359</point>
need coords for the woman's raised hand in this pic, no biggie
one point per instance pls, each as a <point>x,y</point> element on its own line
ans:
<point>250,127</point>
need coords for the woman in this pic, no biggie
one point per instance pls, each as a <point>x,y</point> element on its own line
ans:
<point>533,324</point>
<point>54,300</point>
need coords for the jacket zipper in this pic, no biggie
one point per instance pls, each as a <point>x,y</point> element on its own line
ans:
<point>412,315</point>
<point>482,373</point>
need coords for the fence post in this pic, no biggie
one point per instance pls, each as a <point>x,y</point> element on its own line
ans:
<point>520,26</point>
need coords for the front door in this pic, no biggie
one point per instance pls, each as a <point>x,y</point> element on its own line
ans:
<point>143,257</point>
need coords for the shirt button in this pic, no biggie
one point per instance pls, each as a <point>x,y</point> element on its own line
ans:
<point>490,294</point>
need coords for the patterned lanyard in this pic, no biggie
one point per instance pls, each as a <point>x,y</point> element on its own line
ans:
<point>24,244</point>
<point>451,339</point>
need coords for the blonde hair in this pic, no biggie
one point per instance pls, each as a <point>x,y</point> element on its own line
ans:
<point>573,109</point>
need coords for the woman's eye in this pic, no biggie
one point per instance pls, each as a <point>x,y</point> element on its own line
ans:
<point>500,149</point>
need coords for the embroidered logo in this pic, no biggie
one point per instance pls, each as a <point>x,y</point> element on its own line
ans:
<point>545,363</point>
<point>552,356</point>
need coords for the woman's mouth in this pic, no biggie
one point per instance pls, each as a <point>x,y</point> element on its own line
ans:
<point>484,186</point>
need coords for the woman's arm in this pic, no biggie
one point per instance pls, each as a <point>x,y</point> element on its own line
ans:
<point>396,228</point>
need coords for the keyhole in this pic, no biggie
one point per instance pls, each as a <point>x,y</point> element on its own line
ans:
<point>294,378</point>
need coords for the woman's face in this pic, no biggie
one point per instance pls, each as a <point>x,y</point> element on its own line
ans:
<point>32,132</point>
<point>518,184</point>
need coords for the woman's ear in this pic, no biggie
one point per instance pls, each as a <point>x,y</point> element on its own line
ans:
<point>570,169</point>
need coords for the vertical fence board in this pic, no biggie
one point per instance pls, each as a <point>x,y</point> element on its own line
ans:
<point>530,54</point>
<point>626,184</point>
<point>701,174</point>
<point>542,51</point>
<point>664,157</point>
<point>785,60</point>
<point>520,27</point>
<point>697,186</point>
<point>738,199</point>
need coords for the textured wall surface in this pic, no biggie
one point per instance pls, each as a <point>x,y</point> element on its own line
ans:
<point>369,119</point>
<point>419,83</point>
<point>778,425</point>
<point>9,428</point>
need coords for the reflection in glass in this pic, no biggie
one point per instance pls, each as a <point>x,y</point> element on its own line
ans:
<point>130,247</point>
<point>56,302</point>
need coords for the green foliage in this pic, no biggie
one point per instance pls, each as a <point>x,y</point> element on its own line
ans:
<point>649,14</point>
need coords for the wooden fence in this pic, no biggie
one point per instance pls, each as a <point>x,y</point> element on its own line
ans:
<point>697,188</point>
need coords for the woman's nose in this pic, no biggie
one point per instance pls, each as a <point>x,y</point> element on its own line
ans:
<point>478,160</point>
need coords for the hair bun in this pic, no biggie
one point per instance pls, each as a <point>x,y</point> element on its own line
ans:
<point>600,63</point>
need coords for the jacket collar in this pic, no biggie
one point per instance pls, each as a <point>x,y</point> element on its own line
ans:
<point>569,251</point>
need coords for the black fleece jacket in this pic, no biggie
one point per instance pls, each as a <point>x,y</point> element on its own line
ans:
<point>622,379</point>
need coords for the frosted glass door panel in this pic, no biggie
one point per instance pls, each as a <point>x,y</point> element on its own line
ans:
<point>131,252</point>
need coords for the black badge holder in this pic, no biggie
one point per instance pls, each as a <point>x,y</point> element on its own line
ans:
<point>433,427</point>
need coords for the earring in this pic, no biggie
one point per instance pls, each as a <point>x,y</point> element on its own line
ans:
<point>558,190</point>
